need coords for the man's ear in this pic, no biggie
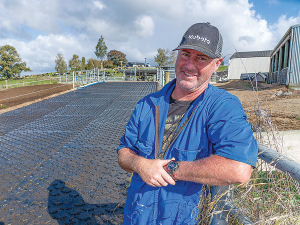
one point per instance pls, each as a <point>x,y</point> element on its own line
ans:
<point>218,63</point>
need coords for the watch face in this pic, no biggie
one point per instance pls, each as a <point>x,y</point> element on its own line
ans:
<point>172,165</point>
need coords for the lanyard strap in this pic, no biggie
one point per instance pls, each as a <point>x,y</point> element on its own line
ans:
<point>156,131</point>
<point>177,132</point>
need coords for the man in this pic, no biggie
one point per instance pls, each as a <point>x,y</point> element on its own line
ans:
<point>187,134</point>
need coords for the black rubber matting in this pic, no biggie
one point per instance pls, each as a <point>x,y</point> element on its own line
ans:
<point>58,160</point>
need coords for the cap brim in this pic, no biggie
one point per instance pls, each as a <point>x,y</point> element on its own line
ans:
<point>199,49</point>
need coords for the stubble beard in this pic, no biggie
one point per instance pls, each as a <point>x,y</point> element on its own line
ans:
<point>192,88</point>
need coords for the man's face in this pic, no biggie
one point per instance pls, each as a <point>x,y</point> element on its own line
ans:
<point>194,69</point>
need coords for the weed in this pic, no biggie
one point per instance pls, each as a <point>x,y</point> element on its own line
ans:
<point>298,117</point>
<point>3,106</point>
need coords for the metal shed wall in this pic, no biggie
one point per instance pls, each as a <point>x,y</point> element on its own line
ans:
<point>294,67</point>
<point>253,65</point>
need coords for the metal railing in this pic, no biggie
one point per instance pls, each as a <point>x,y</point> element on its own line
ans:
<point>225,207</point>
<point>87,77</point>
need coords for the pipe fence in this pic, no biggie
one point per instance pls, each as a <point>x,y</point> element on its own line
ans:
<point>84,78</point>
<point>224,194</point>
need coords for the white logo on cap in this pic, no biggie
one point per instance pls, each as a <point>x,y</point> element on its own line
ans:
<point>204,39</point>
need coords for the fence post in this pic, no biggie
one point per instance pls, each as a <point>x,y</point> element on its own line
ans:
<point>6,84</point>
<point>220,217</point>
<point>73,79</point>
<point>167,77</point>
<point>134,73</point>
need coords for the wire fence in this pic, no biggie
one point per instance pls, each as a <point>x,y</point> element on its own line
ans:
<point>26,81</point>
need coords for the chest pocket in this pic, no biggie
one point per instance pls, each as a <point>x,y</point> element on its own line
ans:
<point>189,155</point>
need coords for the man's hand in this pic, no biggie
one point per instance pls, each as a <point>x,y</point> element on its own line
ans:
<point>153,173</point>
<point>150,170</point>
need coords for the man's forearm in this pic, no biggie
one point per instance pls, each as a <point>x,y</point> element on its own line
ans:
<point>214,170</point>
<point>128,160</point>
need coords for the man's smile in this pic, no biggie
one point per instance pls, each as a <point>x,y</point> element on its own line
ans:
<point>188,74</point>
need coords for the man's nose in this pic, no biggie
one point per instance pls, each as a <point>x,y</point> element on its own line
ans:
<point>190,64</point>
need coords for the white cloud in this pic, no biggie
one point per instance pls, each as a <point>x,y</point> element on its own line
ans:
<point>99,5</point>
<point>283,23</point>
<point>39,30</point>
<point>40,54</point>
<point>145,26</point>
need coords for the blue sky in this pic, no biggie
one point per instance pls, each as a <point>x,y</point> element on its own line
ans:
<point>271,10</point>
<point>40,29</point>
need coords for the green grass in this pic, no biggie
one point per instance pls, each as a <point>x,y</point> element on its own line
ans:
<point>3,106</point>
<point>223,68</point>
<point>297,117</point>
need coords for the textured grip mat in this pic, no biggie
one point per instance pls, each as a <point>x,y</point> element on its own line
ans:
<point>58,156</point>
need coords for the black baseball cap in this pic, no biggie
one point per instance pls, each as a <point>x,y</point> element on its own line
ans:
<point>204,38</point>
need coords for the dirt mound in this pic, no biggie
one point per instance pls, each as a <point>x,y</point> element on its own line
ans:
<point>14,97</point>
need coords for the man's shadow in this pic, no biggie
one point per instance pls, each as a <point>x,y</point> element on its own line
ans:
<point>68,207</point>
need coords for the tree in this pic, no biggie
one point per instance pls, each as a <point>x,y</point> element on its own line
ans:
<point>93,63</point>
<point>108,64</point>
<point>10,62</point>
<point>165,57</point>
<point>75,63</point>
<point>101,49</point>
<point>171,57</point>
<point>116,57</point>
<point>60,64</point>
<point>161,57</point>
<point>83,65</point>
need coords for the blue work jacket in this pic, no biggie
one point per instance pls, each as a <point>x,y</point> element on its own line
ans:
<point>217,125</point>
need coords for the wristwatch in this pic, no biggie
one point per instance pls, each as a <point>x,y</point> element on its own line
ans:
<point>171,167</point>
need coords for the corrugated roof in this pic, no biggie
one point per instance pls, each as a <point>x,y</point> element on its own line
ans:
<point>284,38</point>
<point>251,54</point>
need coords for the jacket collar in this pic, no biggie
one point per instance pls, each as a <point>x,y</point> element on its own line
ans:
<point>163,96</point>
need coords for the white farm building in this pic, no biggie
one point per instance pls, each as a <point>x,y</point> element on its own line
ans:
<point>243,63</point>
